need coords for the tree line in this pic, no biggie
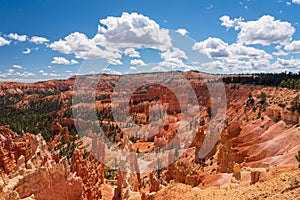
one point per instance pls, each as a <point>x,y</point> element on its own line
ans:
<point>286,80</point>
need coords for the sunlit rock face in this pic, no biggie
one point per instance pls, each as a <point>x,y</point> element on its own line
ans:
<point>31,171</point>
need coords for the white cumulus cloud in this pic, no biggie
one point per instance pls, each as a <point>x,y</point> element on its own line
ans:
<point>286,64</point>
<point>15,36</point>
<point>131,52</point>
<point>83,47</point>
<point>132,30</point>
<point>296,1</point>
<point>232,65</point>
<point>212,47</point>
<point>27,74</point>
<point>265,31</point>
<point>182,31</point>
<point>217,48</point>
<point>17,66</point>
<point>137,62</point>
<point>43,73</point>
<point>39,40</point>
<point>10,71</point>
<point>293,47</point>
<point>116,36</point>
<point>3,42</point>
<point>174,58</point>
<point>229,23</point>
<point>63,61</point>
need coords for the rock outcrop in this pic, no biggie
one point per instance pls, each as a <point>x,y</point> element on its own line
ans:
<point>128,180</point>
<point>33,172</point>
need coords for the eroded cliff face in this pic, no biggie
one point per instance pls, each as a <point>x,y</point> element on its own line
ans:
<point>278,113</point>
<point>128,179</point>
<point>91,174</point>
<point>28,170</point>
<point>259,140</point>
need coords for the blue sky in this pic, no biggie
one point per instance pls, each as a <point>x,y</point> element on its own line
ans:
<point>52,39</point>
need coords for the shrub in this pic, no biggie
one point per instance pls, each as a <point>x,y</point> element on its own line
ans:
<point>176,153</point>
<point>298,158</point>
<point>202,122</point>
<point>110,173</point>
<point>258,115</point>
<point>209,113</point>
<point>263,97</point>
<point>296,103</point>
<point>294,182</point>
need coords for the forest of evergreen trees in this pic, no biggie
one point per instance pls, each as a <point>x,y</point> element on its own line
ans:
<point>286,80</point>
<point>36,118</point>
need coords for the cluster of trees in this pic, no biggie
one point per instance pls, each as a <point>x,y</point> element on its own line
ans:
<point>296,104</point>
<point>110,173</point>
<point>66,149</point>
<point>291,84</point>
<point>284,79</point>
<point>37,118</point>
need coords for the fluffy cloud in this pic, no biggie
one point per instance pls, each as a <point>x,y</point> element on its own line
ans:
<point>293,47</point>
<point>173,58</point>
<point>54,75</point>
<point>13,72</point>
<point>132,30</point>
<point>265,31</point>
<point>217,48</point>
<point>280,52</point>
<point>27,74</point>
<point>229,23</point>
<point>212,47</point>
<point>110,71</point>
<point>43,73</point>
<point>10,71</point>
<point>76,43</point>
<point>114,62</point>
<point>3,42</point>
<point>243,52</point>
<point>182,31</point>
<point>27,51</point>
<point>17,66</point>
<point>232,65</point>
<point>83,47</point>
<point>63,61</point>
<point>296,1</point>
<point>15,36</point>
<point>232,58</point>
<point>131,52</point>
<point>38,40</point>
<point>229,65</point>
<point>137,62</point>
<point>116,35</point>
<point>285,64</point>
